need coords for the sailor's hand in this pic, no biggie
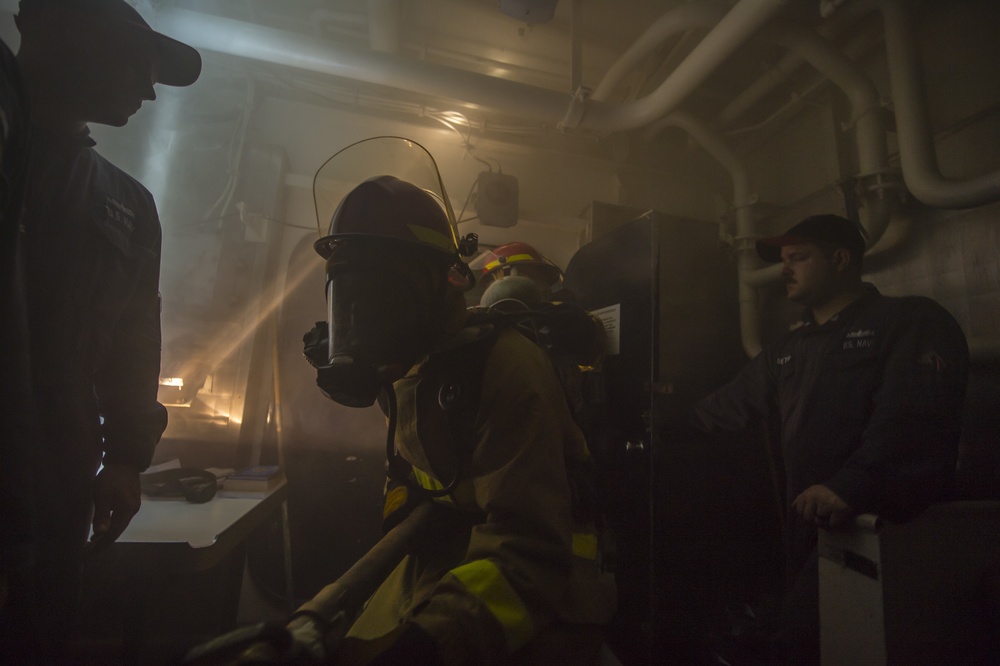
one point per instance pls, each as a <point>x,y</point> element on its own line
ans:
<point>821,506</point>
<point>117,495</point>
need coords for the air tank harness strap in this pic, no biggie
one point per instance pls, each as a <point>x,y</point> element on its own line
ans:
<point>404,490</point>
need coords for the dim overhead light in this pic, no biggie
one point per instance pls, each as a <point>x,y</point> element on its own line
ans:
<point>176,382</point>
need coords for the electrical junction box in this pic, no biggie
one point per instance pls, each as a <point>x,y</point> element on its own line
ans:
<point>496,204</point>
<point>529,11</point>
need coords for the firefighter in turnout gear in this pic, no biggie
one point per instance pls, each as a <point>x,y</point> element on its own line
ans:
<point>509,569</point>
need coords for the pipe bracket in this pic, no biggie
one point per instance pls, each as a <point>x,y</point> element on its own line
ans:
<point>576,110</point>
<point>883,183</point>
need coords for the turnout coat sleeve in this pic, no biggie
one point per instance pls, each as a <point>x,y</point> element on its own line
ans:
<point>518,562</point>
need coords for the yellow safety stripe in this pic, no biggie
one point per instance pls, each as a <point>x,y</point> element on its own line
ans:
<point>394,499</point>
<point>509,260</point>
<point>585,545</point>
<point>484,580</point>
<point>431,237</point>
<point>427,481</point>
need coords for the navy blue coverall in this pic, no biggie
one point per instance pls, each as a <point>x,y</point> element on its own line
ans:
<point>92,242</point>
<point>870,406</point>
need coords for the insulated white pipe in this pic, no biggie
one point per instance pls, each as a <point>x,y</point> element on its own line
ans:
<point>872,157</point>
<point>384,18</point>
<point>743,200</point>
<point>866,111</point>
<point>677,20</point>
<point>248,40</point>
<point>861,92</point>
<point>916,141</point>
<point>729,33</point>
<point>779,72</point>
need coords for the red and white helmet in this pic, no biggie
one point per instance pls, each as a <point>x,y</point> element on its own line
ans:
<point>517,258</point>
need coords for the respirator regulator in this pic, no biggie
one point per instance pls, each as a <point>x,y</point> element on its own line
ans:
<point>383,310</point>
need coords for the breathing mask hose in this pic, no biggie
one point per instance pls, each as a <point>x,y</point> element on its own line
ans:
<point>392,460</point>
<point>397,468</point>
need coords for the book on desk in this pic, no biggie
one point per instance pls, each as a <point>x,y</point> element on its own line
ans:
<point>256,479</point>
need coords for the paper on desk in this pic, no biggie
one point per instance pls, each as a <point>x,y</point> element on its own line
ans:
<point>173,463</point>
<point>220,472</point>
<point>250,494</point>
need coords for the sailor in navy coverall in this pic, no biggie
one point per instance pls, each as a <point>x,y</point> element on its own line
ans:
<point>869,391</point>
<point>92,260</point>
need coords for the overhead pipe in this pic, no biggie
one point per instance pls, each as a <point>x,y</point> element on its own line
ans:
<point>916,141</point>
<point>248,40</point>
<point>384,19</point>
<point>866,109</point>
<point>870,132</point>
<point>729,33</point>
<point>677,20</point>
<point>780,71</point>
<point>867,115</point>
<point>869,124</point>
<point>861,41</point>
<point>743,200</point>
<point>576,46</point>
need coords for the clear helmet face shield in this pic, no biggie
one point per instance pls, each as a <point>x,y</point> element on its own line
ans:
<point>393,156</point>
<point>391,255</point>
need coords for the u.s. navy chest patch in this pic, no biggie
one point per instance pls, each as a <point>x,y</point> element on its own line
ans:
<point>862,338</point>
<point>119,215</point>
<point>117,221</point>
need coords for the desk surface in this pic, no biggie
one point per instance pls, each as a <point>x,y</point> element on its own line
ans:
<point>183,535</point>
<point>197,525</point>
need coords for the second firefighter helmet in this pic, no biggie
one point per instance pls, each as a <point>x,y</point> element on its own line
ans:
<point>518,258</point>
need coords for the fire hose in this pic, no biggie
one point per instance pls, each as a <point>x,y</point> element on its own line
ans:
<point>316,628</point>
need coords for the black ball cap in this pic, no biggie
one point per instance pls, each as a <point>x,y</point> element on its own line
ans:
<point>177,64</point>
<point>816,229</point>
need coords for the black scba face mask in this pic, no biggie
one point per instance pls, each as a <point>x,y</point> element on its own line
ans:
<point>384,310</point>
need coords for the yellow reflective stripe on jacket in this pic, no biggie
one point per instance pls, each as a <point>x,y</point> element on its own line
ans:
<point>428,482</point>
<point>394,499</point>
<point>484,581</point>
<point>585,545</point>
